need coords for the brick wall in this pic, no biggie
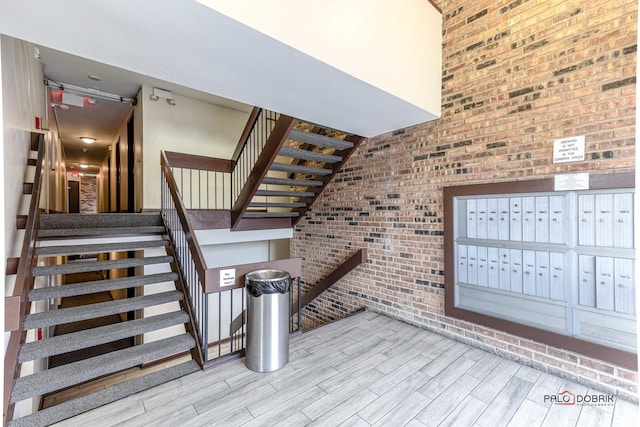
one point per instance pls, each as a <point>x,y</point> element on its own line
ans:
<point>516,75</point>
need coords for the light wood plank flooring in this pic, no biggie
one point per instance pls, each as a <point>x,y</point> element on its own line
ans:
<point>366,370</point>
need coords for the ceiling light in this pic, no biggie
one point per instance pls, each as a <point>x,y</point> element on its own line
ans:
<point>84,166</point>
<point>88,140</point>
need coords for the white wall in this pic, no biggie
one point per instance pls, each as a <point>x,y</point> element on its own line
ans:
<point>190,126</point>
<point>394,46</point>
<point>23,98</point>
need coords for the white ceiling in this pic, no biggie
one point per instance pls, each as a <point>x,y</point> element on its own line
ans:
<point>194,51</point>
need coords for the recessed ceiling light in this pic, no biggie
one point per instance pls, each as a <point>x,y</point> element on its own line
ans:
<point>84,166</point>
<point>88,140</point>
<point>94,78</point>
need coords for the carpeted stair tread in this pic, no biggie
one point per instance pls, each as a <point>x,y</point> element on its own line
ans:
<point>319,140</point>
<point>85,266</point>
<point>85,288</point>
<point>93,232</point>
<point>277,205</point>
<point>270,215</point>
<point>75,407</point>
<point>97,336</point>
<point>84,312</point>
<point>103,220</point>
<point>305,170</point>
<point>78,372</point>
<point>297,153</point>
<point>293,182</point>
<point>277,193</point>
<point>99,248</point>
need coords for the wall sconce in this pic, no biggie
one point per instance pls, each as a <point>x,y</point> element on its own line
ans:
<point>157,94</point>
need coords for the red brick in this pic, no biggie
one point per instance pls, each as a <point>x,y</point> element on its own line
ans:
<point>569,103</point>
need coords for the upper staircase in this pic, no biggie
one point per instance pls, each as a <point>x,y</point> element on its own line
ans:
<point>129,242</point>
<point>297,162</point>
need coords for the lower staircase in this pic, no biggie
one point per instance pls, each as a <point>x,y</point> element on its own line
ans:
<point>63,236</point>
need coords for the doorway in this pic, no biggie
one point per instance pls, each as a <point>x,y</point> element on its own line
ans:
<point>74,196</point>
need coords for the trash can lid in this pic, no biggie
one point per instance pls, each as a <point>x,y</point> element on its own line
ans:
<point>267,275</point>
<point>267,282</point>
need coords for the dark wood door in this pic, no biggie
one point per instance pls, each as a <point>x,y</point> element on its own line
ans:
<point>74,196</point>
<point>118,177</point>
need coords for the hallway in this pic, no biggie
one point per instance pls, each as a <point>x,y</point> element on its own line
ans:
<point>367,370</point>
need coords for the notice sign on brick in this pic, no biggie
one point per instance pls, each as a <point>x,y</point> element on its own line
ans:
<point>567,150</point>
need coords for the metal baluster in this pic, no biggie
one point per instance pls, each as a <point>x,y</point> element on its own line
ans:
<point>219,323</point>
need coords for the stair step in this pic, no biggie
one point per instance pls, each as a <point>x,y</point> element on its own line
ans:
<point>277,205</point>
<point>277,193</point>
<point>99,248</point>
<point>84,312</point>
<point>27,188</point>
<point>97,336</point>
<point>103,220</point>
<point>84,370</point>
<point>32,162</point>
<point>75,407</point>
<point>270,215</point>
<point>319,140</point>
<point>93,232</point>
<point>85,266</point>
<point>95,286</point>
<point>297,153</point>
<point>305,170</point>
<point>292,182</point>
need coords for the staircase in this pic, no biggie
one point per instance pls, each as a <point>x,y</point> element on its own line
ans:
<point>303,163</point>
<point>130,235</point>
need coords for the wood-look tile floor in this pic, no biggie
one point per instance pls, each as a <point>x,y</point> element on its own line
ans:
<point>361,371</point>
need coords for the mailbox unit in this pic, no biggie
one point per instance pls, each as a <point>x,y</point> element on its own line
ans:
<point>554,266</point>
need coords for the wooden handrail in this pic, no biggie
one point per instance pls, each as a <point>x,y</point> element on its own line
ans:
<point>193,161</point>
<point>196,255</point>
<point>251,122</point>
<point>345,268</point>
<point>190,235</point>
<point>354,260</point>
<point>269,153</point>
<point>24,281</point>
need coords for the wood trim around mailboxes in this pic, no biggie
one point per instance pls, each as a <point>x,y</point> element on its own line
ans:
<point>603,181</point>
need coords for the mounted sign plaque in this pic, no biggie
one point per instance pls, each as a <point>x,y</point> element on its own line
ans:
<point>568,149</point>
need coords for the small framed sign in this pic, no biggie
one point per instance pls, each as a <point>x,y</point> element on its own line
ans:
<point>227,277</point>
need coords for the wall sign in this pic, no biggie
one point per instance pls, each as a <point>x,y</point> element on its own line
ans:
<point>568,182</point>
<point>567,150</point>
<point>228,277</point>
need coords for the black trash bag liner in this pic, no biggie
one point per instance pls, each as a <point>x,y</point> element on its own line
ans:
<point>267,282</point>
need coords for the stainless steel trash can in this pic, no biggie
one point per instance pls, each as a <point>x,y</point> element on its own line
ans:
<point>267,320</point>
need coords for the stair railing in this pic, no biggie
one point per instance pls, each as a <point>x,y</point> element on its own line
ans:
<point>204,183</point>
<point>256,156</point>
<point>188,256</point>
<point>252,141</point>
<point>298,300</point>
<point>24,284</point>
